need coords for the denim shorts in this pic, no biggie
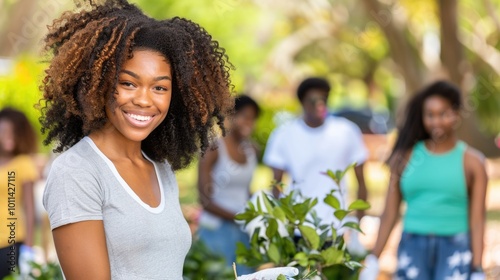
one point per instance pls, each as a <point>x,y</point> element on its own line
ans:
<point>222,240</point>
<point>431,257</point>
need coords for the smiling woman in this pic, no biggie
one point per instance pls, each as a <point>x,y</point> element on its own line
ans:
<point>129,99</point>
<point>443,183</point>
<point>142,96</point>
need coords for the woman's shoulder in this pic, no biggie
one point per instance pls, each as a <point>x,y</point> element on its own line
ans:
<point>80,155</point>
<point>473,156</point>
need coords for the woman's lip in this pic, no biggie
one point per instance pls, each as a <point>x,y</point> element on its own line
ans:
<point>137,123</point>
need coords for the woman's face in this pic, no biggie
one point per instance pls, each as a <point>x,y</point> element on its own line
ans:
<point>244,121</point>
<point>142,96</point>
<point>7,141</point>
<point>439,117</point>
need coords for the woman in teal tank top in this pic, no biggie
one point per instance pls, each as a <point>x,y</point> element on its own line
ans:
<point>443,183</point>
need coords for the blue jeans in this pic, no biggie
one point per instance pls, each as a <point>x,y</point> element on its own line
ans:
<point>223,240</point>
<point>430,257</point>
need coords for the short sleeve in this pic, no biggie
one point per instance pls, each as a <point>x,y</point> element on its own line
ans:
<point>275,154</point>
<point>359,152</point>
<point>72,193</point>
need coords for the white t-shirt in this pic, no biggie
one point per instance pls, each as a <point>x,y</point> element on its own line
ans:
<point>143,242</point>
<point>305,152</point>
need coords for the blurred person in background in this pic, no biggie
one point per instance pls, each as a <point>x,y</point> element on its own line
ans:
<point>443,183</point>
<point>17,214</point>
<point>312,144</point>
<point>224,180</point>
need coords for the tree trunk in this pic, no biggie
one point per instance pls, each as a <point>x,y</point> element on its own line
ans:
<point>451,48</point>
<point>402,52</point>
<point>453,61</point>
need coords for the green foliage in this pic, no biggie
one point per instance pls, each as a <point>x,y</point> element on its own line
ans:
<point>49,271</point>
<point>233,23</point>
<point>485,101</point>
<point>201,263</point>
<point>319,251</point>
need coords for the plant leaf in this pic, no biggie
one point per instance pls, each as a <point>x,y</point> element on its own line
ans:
<point>272,228</point>
<point>331,174</point>
<point>334,233</point>
<point>332,201</point>
<point>301,258</point>
<point>259,207</point>
<point>267,202</point>
<point>279,214</point>
<point>340,214</point>
<point>246,216</point>
<point>274,253</point>
<point>332,256</point>
<point>353,265</point>
<point>359,205</point>
<point>353,225</point>
<point>310,235</point>
<point>289,246</point>
<point>339,174</point>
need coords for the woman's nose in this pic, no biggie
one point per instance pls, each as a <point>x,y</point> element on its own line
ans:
<point>143,98</point>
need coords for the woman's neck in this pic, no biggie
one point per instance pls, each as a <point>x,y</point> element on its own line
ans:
<point>441,145</point>
<point>115,146</point>
<point>5,158</point>
<point>235,137</point>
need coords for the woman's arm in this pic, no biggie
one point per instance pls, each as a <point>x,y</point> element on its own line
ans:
<point>474,163</point>
<point>81,250</point>
<point>362,190</point>
<point>390,215</point>
<point>29,211</point>
<point>205,186</point>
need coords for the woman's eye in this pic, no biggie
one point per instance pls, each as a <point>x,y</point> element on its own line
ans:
<point>127,84</point>
<point>158,88</point>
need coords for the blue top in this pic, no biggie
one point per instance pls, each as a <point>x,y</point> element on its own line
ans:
<point>435,190</point>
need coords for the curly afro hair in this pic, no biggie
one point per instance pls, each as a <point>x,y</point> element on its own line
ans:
<point>90,46</point>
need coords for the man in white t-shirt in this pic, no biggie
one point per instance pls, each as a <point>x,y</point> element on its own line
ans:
<point>312,144</point>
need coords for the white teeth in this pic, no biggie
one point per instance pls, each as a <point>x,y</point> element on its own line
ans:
<point>140,118</point>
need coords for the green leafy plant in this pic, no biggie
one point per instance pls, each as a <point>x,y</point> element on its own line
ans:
<point>320,250</point>
<point>201,263</point>
<point>48,271</point>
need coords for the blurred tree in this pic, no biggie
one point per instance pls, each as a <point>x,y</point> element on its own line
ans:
<point>465,71</point>
<point>393,43</point>
<point>23,22</point>
<point>375,57</point>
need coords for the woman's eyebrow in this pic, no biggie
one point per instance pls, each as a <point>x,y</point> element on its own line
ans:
<point>137,76</point>
<point>130,73</point>
<point>162,78</point>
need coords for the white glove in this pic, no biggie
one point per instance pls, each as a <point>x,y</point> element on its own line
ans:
<point>371,270</point>
<point>478,276</point>
<point>271,274</point>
